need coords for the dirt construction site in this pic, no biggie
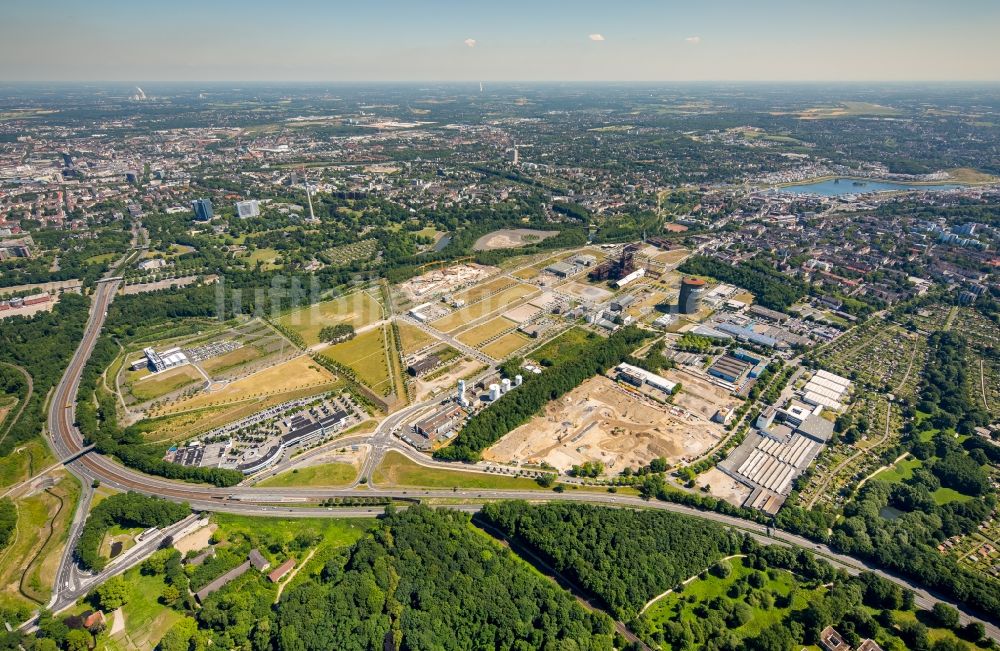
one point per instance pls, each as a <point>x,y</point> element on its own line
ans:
<point>603,421</point>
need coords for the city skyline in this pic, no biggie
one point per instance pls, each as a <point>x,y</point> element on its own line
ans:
<point>304,40</point>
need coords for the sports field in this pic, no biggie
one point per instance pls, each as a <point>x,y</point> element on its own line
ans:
<point>357,309</point>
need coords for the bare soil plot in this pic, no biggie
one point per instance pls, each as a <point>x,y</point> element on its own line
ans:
<point>699,395</point>
<point>434,383</point>
<point>196,539</point>
<point>511,238</point>
<point>484,307</point>
<point>357,309</point>
<point>587,292</point>
<point>600,421</point>
<point>438,281</point>
<point>723,486</point>
<point>522,313</point>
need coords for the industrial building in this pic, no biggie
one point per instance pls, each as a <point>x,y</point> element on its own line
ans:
<point>785,442</point>
<point>439,424</point>
<point>728,368</point>
<point>827,390</point>
<point>423,365</point>
<point>626,279</point>
<point>690,297</point>
<point>637,377</point>
<point>18,248</point>
<point>749,334</point>
<point>616,268</point>
<point>561,269</point>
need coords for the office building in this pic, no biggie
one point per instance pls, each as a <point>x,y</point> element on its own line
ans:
<point>202,209</point>
<point>247,209</point>
<point>690,299</point>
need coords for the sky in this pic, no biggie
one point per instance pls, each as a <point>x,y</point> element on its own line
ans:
<point>502,40</point>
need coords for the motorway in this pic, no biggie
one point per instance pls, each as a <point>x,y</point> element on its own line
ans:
<point>294,502</point>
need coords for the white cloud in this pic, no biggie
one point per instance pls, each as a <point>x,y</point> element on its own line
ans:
<point>596,37</point>
<point>693,40</point>
<point>470,42</point>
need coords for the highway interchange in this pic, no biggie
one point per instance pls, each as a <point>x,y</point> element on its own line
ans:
<point>72,583</point>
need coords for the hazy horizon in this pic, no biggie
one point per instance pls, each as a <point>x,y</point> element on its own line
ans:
<point>391,41</point>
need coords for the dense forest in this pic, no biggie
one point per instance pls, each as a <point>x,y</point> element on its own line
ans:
<point>624,557</point>
<point>427,580</point>
<point>770,288</point>
<point>8,521</point>
<point>42,345</point>
<point>125,510</point>
<point>515,408</point>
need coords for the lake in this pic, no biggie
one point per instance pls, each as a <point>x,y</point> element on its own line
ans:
<point>841,186</point>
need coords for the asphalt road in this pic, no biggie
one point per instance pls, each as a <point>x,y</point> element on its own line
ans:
<point>66,441</point>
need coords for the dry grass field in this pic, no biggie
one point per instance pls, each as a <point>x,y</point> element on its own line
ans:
<point>232,358</point>
<point>413,338</point>
<point>485,331</point>
<point>366,356</point>
<point>150,387</point>
<point>506,345</point>
<point>293,375</point>
<point>477,292</point>
<point>357,309</point>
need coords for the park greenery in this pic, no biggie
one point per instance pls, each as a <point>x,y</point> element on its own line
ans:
<point>336,333</point>
<point>623,557</point>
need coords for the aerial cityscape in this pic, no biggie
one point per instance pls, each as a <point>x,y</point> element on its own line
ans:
<point>589,333</point>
